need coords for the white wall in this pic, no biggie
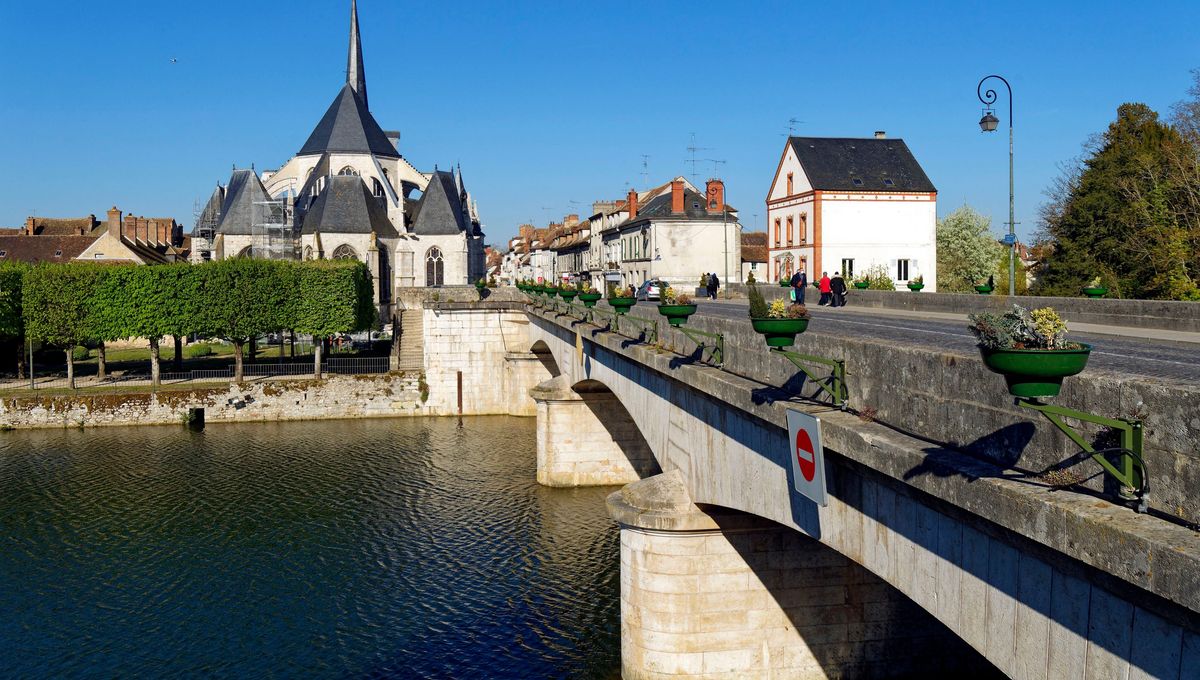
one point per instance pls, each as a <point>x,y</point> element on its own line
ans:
<point>881,231</point>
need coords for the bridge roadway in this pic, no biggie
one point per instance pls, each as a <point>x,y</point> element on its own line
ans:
<point>1129,352</point>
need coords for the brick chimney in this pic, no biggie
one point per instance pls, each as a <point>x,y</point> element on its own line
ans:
<point>715,195</point>
<point>880,134</point>
<point>633,204</point>
<point>29,226</point>
<point>114,222</point>
<point>677,197</point>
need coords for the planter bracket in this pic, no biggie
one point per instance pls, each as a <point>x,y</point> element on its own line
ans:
<point>716,350</point>
<point>1131,473</point>
<point>834,385</point>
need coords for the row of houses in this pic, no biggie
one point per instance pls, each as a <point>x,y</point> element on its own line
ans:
<point>834,204</point>
<point>674,232</point>
<point>119,238</point>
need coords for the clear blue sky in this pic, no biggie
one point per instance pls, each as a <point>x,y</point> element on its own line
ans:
<point>550,106</point>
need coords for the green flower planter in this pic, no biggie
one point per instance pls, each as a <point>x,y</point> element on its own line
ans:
<point>862,285</point>
<point>1095,291</point>
<point>568,295</point>
<point>677,315</point>
<point>589,299</point>
<point>621,305</point>
<point>916,287</point>
<point>785,284</point>
<point>1033,373</point>
<point>984,290</point>
<point>816,284</point>
<point>780,332</point>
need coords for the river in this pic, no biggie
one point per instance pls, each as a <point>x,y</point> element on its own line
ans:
<point>418,547</point>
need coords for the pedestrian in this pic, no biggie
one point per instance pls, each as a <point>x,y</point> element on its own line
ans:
<point>799,283</point>
<point>837,289</point>
<point>713,285</point>
<point>825,288</point>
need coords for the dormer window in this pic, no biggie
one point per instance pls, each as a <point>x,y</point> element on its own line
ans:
<point>888,182</point>
<point>3,253</point>
<point>857,182</point>
<point>58,253</point>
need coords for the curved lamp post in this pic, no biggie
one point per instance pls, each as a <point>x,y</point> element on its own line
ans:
<point>988,123</point>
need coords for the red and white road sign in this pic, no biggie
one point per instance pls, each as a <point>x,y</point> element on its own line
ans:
<point>808,458</point>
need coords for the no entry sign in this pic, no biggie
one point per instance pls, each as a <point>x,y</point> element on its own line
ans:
<point>808,458</point>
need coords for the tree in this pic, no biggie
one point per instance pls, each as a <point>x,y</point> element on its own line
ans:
<point>12,325</point>
<point>334,297</point>
<point>967,252</point>
<point>241,298</point>
<point>1128,213</point>
<point>1185,114</point>
<point>162,300</point>
<point>109,310</point>
<point>56,300</point>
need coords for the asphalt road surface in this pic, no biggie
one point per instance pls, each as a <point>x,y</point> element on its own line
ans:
<point>1121,355</point>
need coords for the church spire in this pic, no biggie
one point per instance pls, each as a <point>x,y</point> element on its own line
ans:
<point>356,75</point>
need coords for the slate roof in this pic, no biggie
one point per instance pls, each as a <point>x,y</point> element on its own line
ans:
<point>346,206</point>
<point>348,127</point>
<point>660,206</point>
<point>834,163</point>
<point>35,249</point>
<point>238,210</point>
<point>440,212</point>
<point>210,217</point>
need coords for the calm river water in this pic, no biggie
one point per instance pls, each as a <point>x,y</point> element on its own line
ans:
<point>371,548</point>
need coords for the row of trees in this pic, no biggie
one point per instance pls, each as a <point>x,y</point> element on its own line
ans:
<point>64,305</point>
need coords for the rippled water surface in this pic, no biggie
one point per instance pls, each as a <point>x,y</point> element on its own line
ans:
<point>378,548</point>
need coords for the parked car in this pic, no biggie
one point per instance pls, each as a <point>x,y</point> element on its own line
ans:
<point>650,290</point>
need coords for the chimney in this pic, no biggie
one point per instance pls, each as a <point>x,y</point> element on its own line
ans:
<point>880,134</point>
<point>715,195</point>
<point>29,226</point>
<point>114,222</point>
<point>632,204</point>
<point>677,197</point>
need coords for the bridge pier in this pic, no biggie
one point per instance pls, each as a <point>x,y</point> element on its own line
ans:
<point>585,437</point>
<point>714,593</point>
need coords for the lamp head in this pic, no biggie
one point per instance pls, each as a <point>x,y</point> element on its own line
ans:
<point>989,122</point>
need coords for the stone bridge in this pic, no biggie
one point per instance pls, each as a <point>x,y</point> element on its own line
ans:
<point>926,560</point>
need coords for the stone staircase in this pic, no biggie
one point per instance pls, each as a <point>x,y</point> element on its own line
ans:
<point>412,345</point>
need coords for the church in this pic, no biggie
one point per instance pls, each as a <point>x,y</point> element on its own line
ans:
<point>349,193</point>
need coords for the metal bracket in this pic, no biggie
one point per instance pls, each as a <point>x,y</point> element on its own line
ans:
<point>836,387</point>
<point>1132,474</point>
<point>716,351</point>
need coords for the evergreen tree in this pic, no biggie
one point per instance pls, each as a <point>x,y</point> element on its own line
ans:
<point>1127,214</point>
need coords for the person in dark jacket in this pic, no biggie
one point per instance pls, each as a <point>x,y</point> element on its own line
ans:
<point>799,283</point>
<point>837,288</point>
<point>713,285</point>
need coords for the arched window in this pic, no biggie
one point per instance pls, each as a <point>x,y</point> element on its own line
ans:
<point>378,187</point>
<point>308,252</point>
<point>348,171</point>
<point>344,252</point>
<point>245,252</point>
<point>435,269</point>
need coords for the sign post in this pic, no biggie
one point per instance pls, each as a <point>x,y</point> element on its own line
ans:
<point>807,455</point>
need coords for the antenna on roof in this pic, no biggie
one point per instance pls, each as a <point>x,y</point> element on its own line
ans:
<point>692,149</point>
<point>715,163</point>
<point>792,123</point>
<point>645,169</point>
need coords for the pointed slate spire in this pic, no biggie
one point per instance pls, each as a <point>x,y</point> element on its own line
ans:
<point>356,75</point>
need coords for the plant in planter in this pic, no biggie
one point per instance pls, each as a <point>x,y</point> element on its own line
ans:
<point>750,280</point>
<point>621,299</point>
<point>915,285</point>
<point>677,307</point>
<point>1029,348</point>
<point>779,322</point>
<point>567,292</point>
<point>1095,289</point>
<point>862,282</point>
<point>588,295</point>
<point>784,283</point>
<point>987,288</point>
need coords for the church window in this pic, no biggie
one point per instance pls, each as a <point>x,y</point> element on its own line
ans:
<point>378,187</point>
<point>308,252</point>
<point>344,252</point>
<point>348,171</point>
<point>434,267</point>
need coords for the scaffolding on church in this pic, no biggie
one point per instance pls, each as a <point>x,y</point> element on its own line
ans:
<point>273,237</point>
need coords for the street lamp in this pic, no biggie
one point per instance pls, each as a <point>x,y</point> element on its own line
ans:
<point>988,123</point>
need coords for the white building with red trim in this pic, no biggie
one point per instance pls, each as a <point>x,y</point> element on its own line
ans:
<point>847,204</point>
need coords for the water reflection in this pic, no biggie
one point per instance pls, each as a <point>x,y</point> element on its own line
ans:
<point>382,548</point>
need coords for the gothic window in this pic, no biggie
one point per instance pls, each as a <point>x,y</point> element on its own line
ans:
<point>245,252</point>
<point>378,187</point>
<point>348,171</point>
<point>434,267</point>
<point>308,252</point>
<point>344,252</point>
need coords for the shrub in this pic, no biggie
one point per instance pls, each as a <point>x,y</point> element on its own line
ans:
<point>758,306</point>
<point>750,280</point>
<point>880,277</point>
<point>197,350</point>
<point>1021,329</point>
<point>80,353</point>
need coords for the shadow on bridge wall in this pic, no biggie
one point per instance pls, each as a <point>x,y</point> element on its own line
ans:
<point>619,426</point>
<point>542,351</point>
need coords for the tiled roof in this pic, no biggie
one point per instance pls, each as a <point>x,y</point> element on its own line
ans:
<point>33,249</point>
<point>854,164</point>
<point>72,226</point>
<point>754,246</point>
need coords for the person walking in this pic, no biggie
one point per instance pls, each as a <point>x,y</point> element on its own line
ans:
<point>799,283</point>
<point>837,289</point>
<point>825,288</point>
<point>714,284</point>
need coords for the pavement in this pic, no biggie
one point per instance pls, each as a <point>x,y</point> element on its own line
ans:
<point>1146,353</point>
